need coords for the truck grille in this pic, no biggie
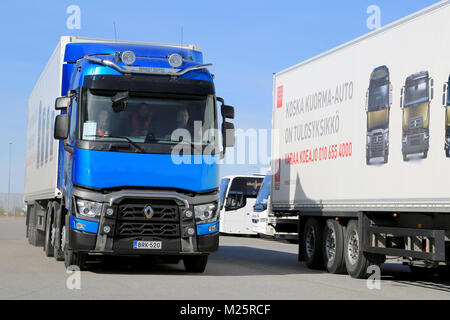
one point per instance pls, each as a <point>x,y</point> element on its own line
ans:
<point>149,229</point>
<point>162,211</point>
<point>377,145</point>
<point>415,123</point>
<point>164,221</point>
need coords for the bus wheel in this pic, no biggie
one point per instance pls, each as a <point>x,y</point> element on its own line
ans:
<point>312,244</point>
<point>333,246</point>
<point>356,261</point>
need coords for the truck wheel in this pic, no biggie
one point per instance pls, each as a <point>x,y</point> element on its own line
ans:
<point>35,236</point>
<point>333,247</point>
<point>312,244</point>
<point>386,156</point>
<point>356,261</point>
<point>57,251</point>
<point>74,259</point>
<point>425,154</point>
<point>405,157</point>
<point>195,264</point>
<point>71,258</point>
<point>171,259</point>
<point>422,271</point>
<point>48,245</point>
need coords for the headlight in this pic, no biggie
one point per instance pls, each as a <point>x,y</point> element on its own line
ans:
<point>206,212</point>
<point>89,208</point>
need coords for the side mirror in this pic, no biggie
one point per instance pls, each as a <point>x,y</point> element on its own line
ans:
<point>227,111</point>
<point>61,130</point>
<point>120,101</point>
<point>62,103</point>
<point>228,134</point>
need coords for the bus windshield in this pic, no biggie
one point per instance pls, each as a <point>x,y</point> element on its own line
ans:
<point>263,195</point>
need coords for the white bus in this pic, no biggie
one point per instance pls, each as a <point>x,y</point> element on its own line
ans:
<point>237,197</point>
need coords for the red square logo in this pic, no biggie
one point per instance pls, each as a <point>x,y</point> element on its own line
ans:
<point>279,96</point>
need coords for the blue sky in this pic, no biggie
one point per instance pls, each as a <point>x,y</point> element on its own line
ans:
<point>247,41</point>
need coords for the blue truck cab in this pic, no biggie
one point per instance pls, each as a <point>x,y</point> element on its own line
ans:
<point>138,153</point>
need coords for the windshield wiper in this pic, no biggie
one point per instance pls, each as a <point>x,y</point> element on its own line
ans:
<point>118,137</point>
<point>152,139</point>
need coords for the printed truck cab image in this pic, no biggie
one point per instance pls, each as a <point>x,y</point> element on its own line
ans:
<point>415,101</point>
<point>378,104</point>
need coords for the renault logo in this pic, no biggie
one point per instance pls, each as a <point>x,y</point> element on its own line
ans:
<point>148,212</point>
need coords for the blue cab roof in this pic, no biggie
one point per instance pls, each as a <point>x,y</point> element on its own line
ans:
<point>75,51</point>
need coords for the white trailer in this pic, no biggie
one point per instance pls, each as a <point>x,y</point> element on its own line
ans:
<point>358,148</point>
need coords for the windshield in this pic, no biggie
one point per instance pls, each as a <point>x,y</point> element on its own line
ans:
<point>223,190</point>
<point>378,96</point>
<point>416,92</point>
<point>264,192</point>
<point>150,118</point>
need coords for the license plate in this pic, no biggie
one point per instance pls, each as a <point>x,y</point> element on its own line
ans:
<point>147,245</point>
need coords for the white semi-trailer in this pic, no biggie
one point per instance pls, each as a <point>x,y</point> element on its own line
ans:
<point>337,117</point>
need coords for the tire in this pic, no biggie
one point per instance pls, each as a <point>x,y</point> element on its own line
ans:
<point>57,251</point>
<point>72,258</point>
<point>171,259</point>
<point>333,247</point>
<point>405,157</point>
<point>48,245</point>
<point>312,244</point>
<point>422,271</point>
<point>443,272</point>
<point>386,158</point>
<point>195,264</point>
<point>357,262</point>
<point>425,154</point>
<point>35,237</point>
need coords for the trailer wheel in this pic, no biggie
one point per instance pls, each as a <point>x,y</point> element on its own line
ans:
<point>333,247</point>
<point>48,245</point>
<point>312,244</point>
<point>196,264</point>
<point>356,261</point>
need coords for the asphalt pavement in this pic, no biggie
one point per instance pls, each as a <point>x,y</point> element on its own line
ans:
<point>243,268</point>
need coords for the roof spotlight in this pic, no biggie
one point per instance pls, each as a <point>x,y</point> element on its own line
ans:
<point>175,60</point>
<point>128,57</point>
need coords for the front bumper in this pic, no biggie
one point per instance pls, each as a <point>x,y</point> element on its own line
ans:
<point>415,143</point>
<point>128,224</point>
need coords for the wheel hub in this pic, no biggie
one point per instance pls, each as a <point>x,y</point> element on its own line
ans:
<point>330,245</point>
<point>353,248</point>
